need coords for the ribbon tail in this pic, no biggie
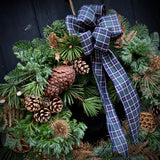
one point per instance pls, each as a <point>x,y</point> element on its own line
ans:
<point>125,91</point>
<point>113,124</point>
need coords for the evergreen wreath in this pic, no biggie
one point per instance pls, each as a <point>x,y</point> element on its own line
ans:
<point>32,122</point>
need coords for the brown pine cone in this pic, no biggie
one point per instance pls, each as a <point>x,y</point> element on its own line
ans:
<point>156,110</point>
<point>155,64</point>
<point>32,104</point>
<point>46,102</point>
<point>61,79</point>
<point>80,66</point>
<point>56,105</point>
<point>42,115</point>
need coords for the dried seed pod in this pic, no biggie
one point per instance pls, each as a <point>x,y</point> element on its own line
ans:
<point>147,121</point>
<point>61,128</point>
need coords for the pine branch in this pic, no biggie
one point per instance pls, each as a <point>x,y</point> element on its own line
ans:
<point>92,106</point>
<point>70,48</point>
<point>58,27</point>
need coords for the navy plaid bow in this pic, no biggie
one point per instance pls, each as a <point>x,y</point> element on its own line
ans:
<point>95,30</point>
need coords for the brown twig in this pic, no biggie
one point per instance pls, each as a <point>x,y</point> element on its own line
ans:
<point>82,100</point>
<point>15,85</point>
<point>72,7</point>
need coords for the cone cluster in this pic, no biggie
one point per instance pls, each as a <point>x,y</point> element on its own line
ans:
<point>46,107</point>
<point>61,79</point>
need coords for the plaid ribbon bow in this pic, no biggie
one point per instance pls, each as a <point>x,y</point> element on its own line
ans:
<point>95,30</point>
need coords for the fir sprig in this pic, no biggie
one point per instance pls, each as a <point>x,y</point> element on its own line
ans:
<point>136,53</point>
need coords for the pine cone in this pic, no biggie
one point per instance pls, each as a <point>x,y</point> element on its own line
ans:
<point>56,105</point>
<point>46,102</point>
<point>155,64</point>
<point>61,79</point>
<point>80,66</point>
<point>32,104</point>
<point>42,115</point>
<point>156,113</point>
<point>156,110</point>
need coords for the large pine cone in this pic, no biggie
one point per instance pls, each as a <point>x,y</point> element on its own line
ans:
<point>61,79</point>
<point>80,66</point>
<point>42,115</point>
<point>32,104</point>
<point>56,105</point>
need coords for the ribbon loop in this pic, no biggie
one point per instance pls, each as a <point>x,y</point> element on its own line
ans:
<point>112,23</point>
<point>72,27</point>
<point>86,42</point>
<point>99,10</point>
<point>86,17</point>
<point>102,38</point>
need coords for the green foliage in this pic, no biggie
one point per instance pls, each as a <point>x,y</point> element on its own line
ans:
<point>142,31</point>
<point>92,106</point>
<point>40,136</point>
<point>112,92</point>
<point>70,48</point>
<point>135,54</point>
<point>86,94</point>
<point>154,139</point>
<point>58,27</point>
<point>155,43</point>
<point>31,74</point>
<point>105,151</point>
<point>7,154</point>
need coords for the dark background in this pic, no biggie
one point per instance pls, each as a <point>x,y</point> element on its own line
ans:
<point>25,20</point>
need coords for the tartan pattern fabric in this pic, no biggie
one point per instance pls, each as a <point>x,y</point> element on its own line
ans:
<point>95,31</point>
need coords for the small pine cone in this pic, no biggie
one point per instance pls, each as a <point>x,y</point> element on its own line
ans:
<point>61,79</point>
<point>46,101</point>
<point>56,105</point>
<point>42,115</point>
<point>80,66</point>
<point>32,104</point>
<point>156,110</point>
<point>155,64</point>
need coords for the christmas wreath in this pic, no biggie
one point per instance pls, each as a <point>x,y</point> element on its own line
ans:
<point>54,75</point>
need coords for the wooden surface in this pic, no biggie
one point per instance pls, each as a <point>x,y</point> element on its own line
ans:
<point>25,19</point>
